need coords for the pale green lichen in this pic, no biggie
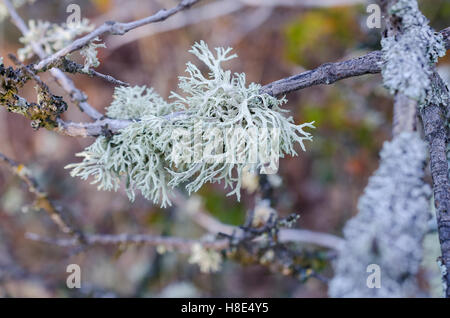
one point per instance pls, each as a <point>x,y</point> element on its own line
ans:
<point>137,102</point>
<point>208,260</point>
<point>50,36</point>
<point>410,55</point>
<point>137,155</point>
<point>89,52</point>
<point>390,226</point>
<point>223,107</point>
<point>153,155</point>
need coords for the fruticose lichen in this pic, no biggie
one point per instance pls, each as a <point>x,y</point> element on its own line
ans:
<point>389,228</point>
<point>410,55</point>
<point>89,52</point>
<point>197,138</point>
<point>209,261</point>
<point>50,36</point>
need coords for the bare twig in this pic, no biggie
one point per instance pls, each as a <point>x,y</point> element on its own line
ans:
<point>42,200</point>
<point>219,9</point>
<point>106,77</point>
<point>115,28</point>
<point>327,74</point>
<point>210,11</point>
<point>72,67</point>
<point>212,225</point>
<point>180,244</point>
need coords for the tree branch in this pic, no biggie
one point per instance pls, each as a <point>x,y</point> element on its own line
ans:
<point>78,97</point>
<point>42,200</point>
<point>180,244</point>
<point>435,126</point>
<point>328,73</point>
<point>114,28</point>
<point>214,226</point>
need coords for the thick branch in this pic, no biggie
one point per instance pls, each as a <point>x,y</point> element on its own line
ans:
<point>435,126</point>
<point>328,73</point>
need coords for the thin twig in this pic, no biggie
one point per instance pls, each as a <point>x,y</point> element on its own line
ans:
<point>42,200</point>
<point>436,130</point>
<point>64,81</point>
<point>325,74</point>
<point>214,226</point>
<point>180,244</point>
<point>72,67</point>
<point>115,28</point>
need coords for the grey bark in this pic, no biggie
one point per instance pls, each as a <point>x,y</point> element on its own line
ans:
<point>435,128</point>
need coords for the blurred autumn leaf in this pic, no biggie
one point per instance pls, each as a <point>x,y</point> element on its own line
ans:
<point>316,36</point>
<point>102,5</point>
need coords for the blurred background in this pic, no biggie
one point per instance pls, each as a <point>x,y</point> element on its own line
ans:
<point>274,39</point>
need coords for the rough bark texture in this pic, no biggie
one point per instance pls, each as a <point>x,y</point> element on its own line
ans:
<point>328,73</point>
<point>434,123</point>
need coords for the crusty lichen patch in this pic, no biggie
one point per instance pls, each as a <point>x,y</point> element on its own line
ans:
<point>389,228</point>
<point>410,54</point>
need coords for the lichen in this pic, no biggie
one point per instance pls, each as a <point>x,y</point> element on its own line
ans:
<point>223,107</point>
<point>444,273</point>
<point>390,225</point>
<point>152,154</point>
<point>208,260</point>
<point>44,113</point>
<point>89,52</point>
<point>137,102</point>
<point>410,55</point>
<point>50,36</point>
<point>137,155</point>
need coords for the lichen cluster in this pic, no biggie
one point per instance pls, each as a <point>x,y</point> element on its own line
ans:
<point>209,261</point>
<point>50,36</point>
<point>389,228</point>
<point>43,113</point>
<point>89,52</point>
<point>216,109</point>
<point>409,56</point>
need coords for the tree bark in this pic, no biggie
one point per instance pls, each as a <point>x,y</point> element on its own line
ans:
<point>434,123</point>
